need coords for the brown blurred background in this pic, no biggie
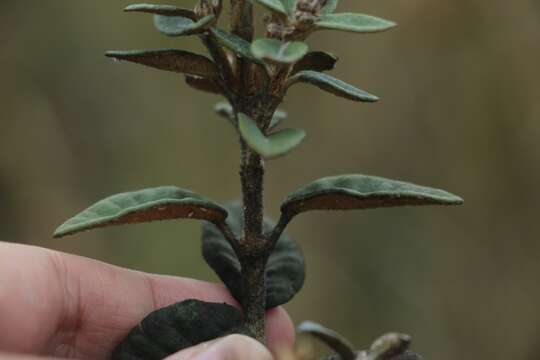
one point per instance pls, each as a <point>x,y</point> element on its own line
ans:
<point>460,110</point>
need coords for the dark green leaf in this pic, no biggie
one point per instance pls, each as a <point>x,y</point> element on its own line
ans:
<point>330,7</point>
<point>354,23</point>
<point>279,51</point>
<point>273,145</point>
<point>203,84</point>
<point>162,203</point>
<point>332,85</point>
<point>388,345</point>
<point>285,270</point>
<point>165,10</point>
<point>177,327</point>
<point>331,338</point>
<point>273,5</point>
<point>277,118</point>
<point>179,26</point>
<point>234,43</point>
<point>169,60</point>
<point>316,61</point>
<point>363,192</point>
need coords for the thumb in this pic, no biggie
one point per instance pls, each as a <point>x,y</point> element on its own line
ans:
<point>232,347</point>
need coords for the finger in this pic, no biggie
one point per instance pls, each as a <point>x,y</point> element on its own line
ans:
<point>233,347</point>
<point>5,356</point>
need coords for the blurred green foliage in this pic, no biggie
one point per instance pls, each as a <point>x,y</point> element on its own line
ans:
<point>459,110</point>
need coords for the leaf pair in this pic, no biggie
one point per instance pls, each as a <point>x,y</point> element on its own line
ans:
<point>162,203</point>
<point>177,327</point>
<point>285,270</point>
<point>391,346</point>
<point>224,109</point>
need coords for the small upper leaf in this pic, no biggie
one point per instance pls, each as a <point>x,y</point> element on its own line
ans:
<point>277,118</point>
<point>177,327</point>
<point>273,145</point>
<point>354,23</point>
<point>332,85</point>
<point>273,5</point>
<point>162,203</point>
<point>330,7</point>
<point>363,192</point>
<point>331,338</point>
<point>279,51</point>
<point>165,10</point>
<point>179,25</point>
<point>285,270</point>
<point>289,6</point>
<point>169,60</point>
<point>316,61</point>
<point>234,43</point>
<point>388,346</point>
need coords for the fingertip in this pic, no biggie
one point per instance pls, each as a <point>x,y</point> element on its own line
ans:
<point>232,347</point>
<point>280,331</point>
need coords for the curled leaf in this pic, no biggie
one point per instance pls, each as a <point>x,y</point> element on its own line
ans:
<point>363,192</point>
<point>331,338</point>
<point>271,146</point>
<point>234,43</point>
<point>165,10</point>
<point>169,60</point>
<point>180,26</point>
<point>224,109</point>
<point>332,85</point>
<point>359,23</point>
<point>177,327</point>
<point>316,61</point>
<point>388,346</point>
<point>277,118</point>
<point>285,270</point>
<point>162,203</point>
<point>205,84</point>
<point>278,51</point>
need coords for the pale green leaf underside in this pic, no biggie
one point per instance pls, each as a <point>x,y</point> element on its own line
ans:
<point>162,203</point>
<point>289,6</point>
<point>363,192</point>
<point>274,145</point>
<point>331,338</point>
<point>166,10</point>
<point>279,51</point>
<point>179,26</point>
<point>354,23</point>
<point>169,60</point>
<point>277,118</point>
<point>330,7</point>
<point>234,43</point>
<point>273,5</point>
<point>333,85</point>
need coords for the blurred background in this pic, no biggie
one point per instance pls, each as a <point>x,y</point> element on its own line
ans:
<point>460,110</point>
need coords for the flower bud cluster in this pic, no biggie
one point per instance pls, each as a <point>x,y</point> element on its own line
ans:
<point>307,11</point>
<point>208,7</point>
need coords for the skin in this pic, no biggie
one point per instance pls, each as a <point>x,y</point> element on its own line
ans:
<point>58,305</point>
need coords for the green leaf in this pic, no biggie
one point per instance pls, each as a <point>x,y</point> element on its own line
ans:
<point>277,118</point>
<point>330,7</point>
<point>234,43</point>
<point>203,84</point>
<point>273,5</point>
<point>165,10</point>
<point>332,85</point>
<point>279,51</point>
<point>169,60</point>
<point>285,270</point>
<point>289,6</point>
<point>316,61</point>
<point>331,338</point>
<point>359,23</point>
<point>363,192</point>
<point>273,145</point>
<point>177,327</point>
<point>162,203</point>
<point>180,26</point>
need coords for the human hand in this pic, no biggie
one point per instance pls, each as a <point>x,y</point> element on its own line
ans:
<point>65,306</point>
